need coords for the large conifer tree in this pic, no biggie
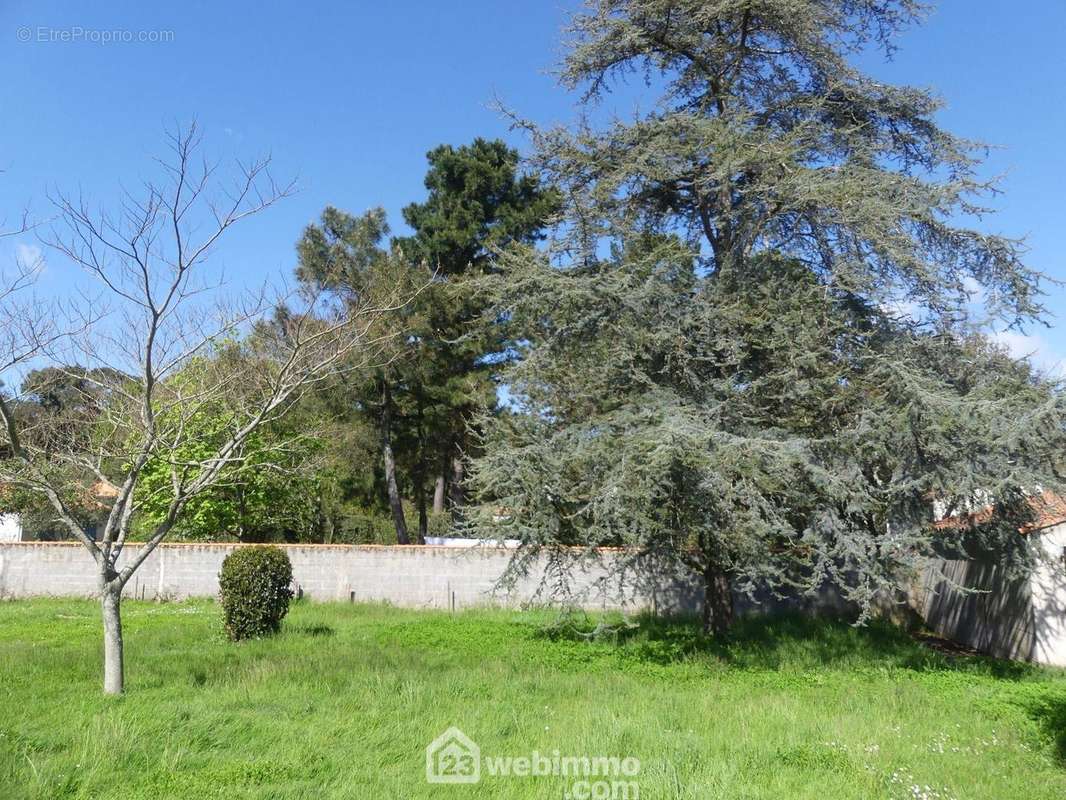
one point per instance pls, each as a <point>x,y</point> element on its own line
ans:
<point>442,369</point>
<point>478,202</point>
<point>750,342</point>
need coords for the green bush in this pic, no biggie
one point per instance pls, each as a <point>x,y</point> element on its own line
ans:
<point>255,591</point>
<point>358,527</point>
<point>369,527</point>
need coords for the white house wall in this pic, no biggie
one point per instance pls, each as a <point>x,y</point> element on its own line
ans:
<point>1049,600</point>
<point>10,528</point>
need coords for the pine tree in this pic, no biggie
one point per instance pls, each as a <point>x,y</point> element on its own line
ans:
<point>478,203</point>
<point>442,371</point>
<point>751,348</point>
<point>348,255</point>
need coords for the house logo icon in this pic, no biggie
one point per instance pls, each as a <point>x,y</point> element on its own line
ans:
<point>453,757</point>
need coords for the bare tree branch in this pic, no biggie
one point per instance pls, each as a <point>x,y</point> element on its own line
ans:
<point>159,355</point>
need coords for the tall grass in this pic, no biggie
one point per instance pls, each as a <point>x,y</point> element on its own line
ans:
<point>344,701</point>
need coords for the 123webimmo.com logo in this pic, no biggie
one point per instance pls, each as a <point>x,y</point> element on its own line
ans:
<point>453,757</point>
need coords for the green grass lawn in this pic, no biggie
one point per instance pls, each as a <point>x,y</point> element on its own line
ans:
<point>344,702</point>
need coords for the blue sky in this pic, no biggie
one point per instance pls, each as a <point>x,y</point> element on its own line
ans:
<point>348,96</point>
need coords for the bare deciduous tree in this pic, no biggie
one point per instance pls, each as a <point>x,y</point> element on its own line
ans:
<point>154,348</point>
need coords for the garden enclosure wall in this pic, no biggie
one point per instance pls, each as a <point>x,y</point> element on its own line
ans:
<point>412,577</point>
<point>1000,620</point>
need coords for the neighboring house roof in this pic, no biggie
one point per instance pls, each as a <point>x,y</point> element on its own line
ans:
<point>104,490</point>
<point>1049,509</point>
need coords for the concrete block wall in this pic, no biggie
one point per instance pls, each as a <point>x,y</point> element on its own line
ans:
<point>1012,619</point>
<point>413,577</point>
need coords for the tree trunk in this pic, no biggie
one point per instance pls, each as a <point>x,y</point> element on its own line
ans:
<point>420,472</point>
<point>423,514</point>
<point>395,503</point>
<point>458,496</point>
<point>114,673</point>
<point>717,601</point>
<point>438,494</point>
<point>242,515</point>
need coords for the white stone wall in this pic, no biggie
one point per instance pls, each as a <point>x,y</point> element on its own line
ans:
<point>413,577</point>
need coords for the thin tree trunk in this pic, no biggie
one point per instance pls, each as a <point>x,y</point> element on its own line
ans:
<point>114,673</point>
<point>325,523</point>
<point>420,473</point>
<point>241,515</point>
<point>438,494</point>
<point>395,503</point>
<point>458,496</point>
<point>717,601</point>
<point>423,514</point>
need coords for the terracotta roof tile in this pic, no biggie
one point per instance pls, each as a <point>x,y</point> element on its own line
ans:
<point>1049,509</point>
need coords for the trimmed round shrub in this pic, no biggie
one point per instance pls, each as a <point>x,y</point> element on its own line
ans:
<point>254,586</point>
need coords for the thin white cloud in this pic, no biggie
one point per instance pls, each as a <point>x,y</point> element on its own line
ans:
<point>29,256</point>
<point>974,290</point>
<point>903,310</point>
<point>1035,348</point>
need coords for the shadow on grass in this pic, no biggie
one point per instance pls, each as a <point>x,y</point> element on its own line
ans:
<point>1050,714</point>
<point>778,643</point>
<point>311,630</point>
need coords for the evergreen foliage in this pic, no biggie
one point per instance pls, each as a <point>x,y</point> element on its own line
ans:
<point>751,346</point>
<point>254,590</point>
<point>442,372</point>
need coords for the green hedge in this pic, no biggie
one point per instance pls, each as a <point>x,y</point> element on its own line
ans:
<point>378,528</point>
<point>255,591</point>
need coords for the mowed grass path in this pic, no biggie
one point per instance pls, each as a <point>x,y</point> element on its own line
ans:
<point>343,703</point>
